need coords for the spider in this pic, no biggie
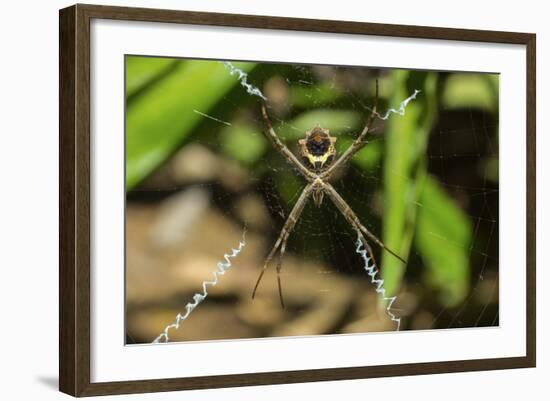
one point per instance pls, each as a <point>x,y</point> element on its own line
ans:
<point>318,153</point>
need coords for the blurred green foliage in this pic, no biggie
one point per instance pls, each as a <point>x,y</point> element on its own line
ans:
<point>314,95</point>
<point>443,236</point>
<point>243,143</point>
<point>340,121</point>
<point>167,99</point>
<point>405,168</point>
<point>158,122</point>
<point>142,71</point>
<point>469,90</point>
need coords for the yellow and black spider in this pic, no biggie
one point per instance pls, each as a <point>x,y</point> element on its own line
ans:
<point>318,152</point>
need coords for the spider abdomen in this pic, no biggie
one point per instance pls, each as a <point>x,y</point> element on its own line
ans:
<point>318,147</point>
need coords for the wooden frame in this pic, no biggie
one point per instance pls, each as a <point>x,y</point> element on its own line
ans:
<point>74,204</point>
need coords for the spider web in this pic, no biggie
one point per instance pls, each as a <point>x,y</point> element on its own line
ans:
<point>323,269</point>
<point>459,140</point>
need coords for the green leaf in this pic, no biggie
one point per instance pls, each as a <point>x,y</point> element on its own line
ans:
<point>367,158</point>
<point>337,121</point>
<point>314,95</point>
<point>140,71</point>
<point>158,122</point>
<point>243,143</point>
<point>475,90</point>
<point>405,168</point>
<point>443,236</point>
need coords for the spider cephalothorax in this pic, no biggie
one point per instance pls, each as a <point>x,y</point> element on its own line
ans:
<point>317,148</point>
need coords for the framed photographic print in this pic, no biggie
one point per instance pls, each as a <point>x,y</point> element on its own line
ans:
<point>252,200</point>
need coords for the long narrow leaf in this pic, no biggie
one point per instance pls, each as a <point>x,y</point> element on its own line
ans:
<point>159,121</point>
<point>443,237</point>
<point>405,169</point>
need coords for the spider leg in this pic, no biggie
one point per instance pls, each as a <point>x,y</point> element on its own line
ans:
<point>357,144</point>
<point>357,227</point>
<point>280,244</point>
<point>281,147</point>
<point>279,266</point>
<point>367,247</point>
<point>352,218</point>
